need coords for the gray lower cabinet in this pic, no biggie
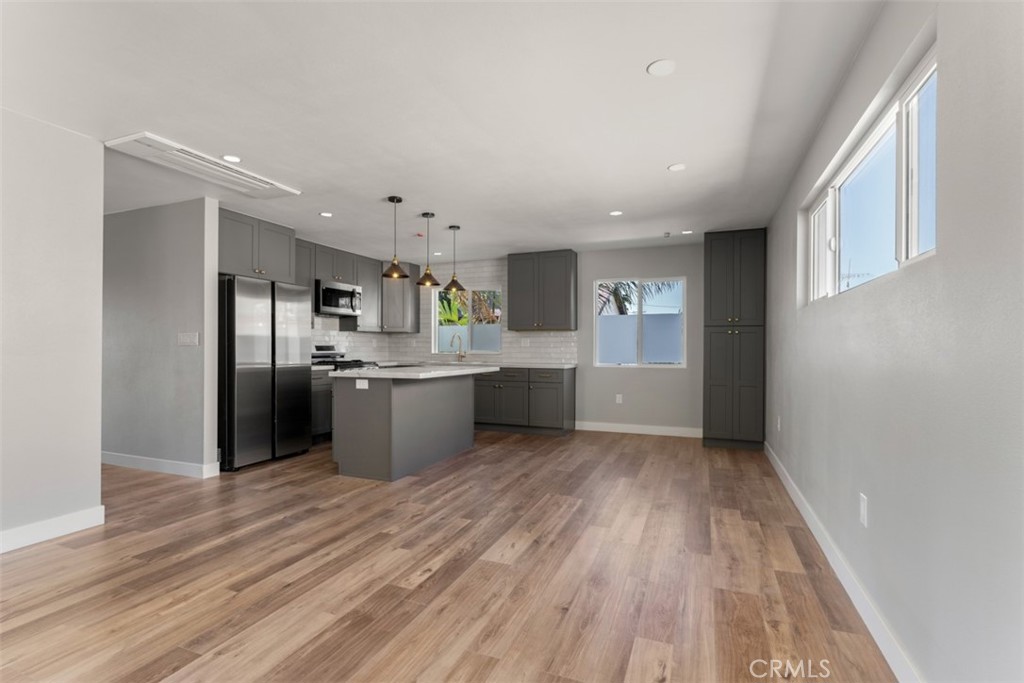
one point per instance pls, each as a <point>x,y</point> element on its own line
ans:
<point>400,300</point>
<point>255,248</point>
<point>322,410</point>
<point>553,398</point>
<point>501,402</point>
<point>544,399</point>
<point>734,383</point>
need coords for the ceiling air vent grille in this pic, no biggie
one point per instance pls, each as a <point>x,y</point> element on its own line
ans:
<point>172,155</point>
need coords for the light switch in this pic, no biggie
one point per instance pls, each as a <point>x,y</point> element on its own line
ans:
<point>188,339</point>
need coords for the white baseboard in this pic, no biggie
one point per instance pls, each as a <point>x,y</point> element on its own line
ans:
<point>654,430</point>
<point>141,462</point>
<point>37,532</point>
<point>887,641</point>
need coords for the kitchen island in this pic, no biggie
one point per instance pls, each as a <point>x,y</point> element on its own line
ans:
<point>391,422</point>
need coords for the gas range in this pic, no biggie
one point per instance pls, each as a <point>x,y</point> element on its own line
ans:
<point>328,356</point>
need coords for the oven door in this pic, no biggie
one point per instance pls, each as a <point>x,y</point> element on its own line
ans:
<point>338,299</point>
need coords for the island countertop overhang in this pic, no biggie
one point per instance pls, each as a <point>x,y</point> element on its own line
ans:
<point>419,372</point>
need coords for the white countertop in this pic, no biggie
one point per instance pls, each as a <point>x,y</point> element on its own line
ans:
<point>539,366</point>
<point>415,372</point>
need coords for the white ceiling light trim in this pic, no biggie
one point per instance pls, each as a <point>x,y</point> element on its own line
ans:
<point>181,158</point>
<point>662,67</point>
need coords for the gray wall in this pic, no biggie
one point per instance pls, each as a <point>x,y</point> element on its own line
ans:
<point>909,388</point>
<point>52,263</point>
<point>157,398</point>
<point>666,400</point>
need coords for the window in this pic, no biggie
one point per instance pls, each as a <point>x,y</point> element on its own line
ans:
<point>470,321</point>
<point>639,322</point>
<point>878,211</point>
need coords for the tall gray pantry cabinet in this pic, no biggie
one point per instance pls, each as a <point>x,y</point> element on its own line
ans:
<point>734,315</point>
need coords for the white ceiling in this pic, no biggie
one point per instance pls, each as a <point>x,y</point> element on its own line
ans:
<point>526,123</point>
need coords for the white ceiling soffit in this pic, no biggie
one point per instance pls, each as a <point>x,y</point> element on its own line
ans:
<point>179,157</point>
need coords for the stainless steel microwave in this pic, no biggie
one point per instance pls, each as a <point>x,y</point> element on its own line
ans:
<point>334,298</point>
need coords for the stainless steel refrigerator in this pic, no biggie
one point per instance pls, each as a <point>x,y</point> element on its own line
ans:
<point>264,402</point>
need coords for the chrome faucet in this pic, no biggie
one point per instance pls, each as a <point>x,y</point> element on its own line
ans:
<point>460,355</point>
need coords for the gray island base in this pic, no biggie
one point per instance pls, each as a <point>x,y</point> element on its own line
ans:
<point>393,422</point>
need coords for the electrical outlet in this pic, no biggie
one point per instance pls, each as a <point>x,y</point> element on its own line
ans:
<point>778,423</point>
<point>524,342</point>
<point>618,398</point>
<point>864,510</point>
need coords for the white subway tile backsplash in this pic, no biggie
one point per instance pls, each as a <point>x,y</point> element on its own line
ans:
<point>542,347</point>
<point>539,347</point>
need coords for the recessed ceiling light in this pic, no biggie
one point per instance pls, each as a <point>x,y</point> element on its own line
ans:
<point>677,167</point>
<point>661,67</point>
<point>326,214</point>
<point>614,213</point>
<point>231,158</point>
<point>438,253</point>
<point>686,232</point>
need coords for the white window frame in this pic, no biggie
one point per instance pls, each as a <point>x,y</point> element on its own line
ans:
<point>823,271</point>
<point>640,326</point>
<point>468,343</point>
<point>909,143</point>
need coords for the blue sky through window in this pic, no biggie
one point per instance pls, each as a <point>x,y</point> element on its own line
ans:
<point>867,216</point>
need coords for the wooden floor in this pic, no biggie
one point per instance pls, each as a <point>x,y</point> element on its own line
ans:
<point>593,557</point>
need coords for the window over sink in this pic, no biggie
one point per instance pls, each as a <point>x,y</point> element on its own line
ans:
<point>469,320</point>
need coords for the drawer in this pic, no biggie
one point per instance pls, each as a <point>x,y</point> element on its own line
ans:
<point>514,374</point>
<point>546,375</point>
<point>507,374</point>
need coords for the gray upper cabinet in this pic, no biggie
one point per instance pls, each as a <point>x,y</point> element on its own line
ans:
<point>368,277</point>
<point>304,263</point>
<point>255,248</point>
<point>334,265</point>
<point>304,268</point>
<point>734,271</point>
<point>542,290</point>
<point>400,300</point>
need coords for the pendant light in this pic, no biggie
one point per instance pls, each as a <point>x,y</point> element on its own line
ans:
<point>395,270</point>
<point>428,279</point>
<point>454,285</point>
